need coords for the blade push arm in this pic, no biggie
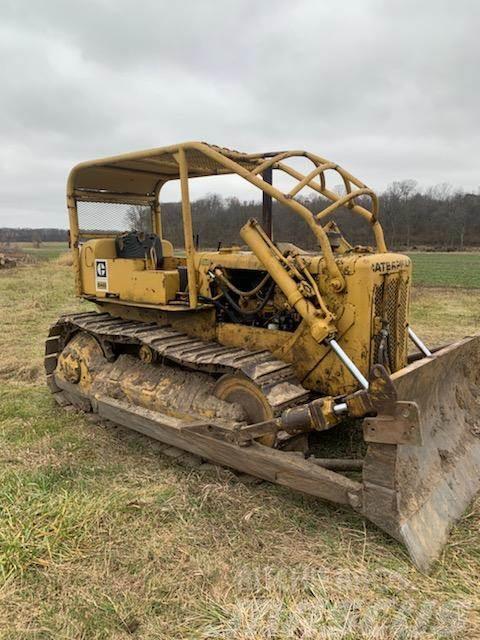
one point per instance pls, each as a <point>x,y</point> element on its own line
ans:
<point>290,280</point>
<point>299,287</point>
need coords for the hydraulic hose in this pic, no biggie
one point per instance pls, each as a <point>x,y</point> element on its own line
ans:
<point>216,303</point>
<point>245,294</point>
<point>251,312</point>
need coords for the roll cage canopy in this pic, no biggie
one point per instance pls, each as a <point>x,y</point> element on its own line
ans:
<point>137,178</point>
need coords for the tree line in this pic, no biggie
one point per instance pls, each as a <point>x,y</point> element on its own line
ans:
<point>437,218</point>
<point>11,235</point>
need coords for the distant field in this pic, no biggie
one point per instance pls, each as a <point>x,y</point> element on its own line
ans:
<point>46,250</point>
<point>436,269</point>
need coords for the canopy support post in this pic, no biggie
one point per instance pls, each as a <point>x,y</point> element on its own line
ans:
<point>267,222</point>
<point>187,228</point>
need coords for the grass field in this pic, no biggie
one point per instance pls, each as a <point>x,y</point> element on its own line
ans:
<point>46,250</point>
<point>437,269</point>
<point>102,536</point>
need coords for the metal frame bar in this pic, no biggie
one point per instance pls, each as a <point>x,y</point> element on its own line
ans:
<point>113,198</point>
<point>351,366</point>
<point>346,200</point>
<point>348,180</point>
<point>267,221</point>
<point>187,228</point>
<point>419,343</point>
<point>230,162</point>
<point>337,281</point>
<point>309,177</point>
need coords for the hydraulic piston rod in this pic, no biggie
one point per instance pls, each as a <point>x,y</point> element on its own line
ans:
<point>351,366</point>
<point>342,407</point>
<point>417,342</point>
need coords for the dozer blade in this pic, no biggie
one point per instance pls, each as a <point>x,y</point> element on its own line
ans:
<point>416,492</point>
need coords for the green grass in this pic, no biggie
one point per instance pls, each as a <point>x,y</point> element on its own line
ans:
<point>46,250</point>
<point>102,536</point>
<point>437,269</point>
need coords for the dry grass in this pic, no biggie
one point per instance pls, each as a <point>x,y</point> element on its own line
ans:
<point>440,314</point>
<point>65,259</point>
<point>15,254</point>
<point>31,300</point>
<point>103,537</point>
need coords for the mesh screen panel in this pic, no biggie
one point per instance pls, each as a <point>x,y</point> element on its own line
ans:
<point>106,217</point>
<point>391,304</point>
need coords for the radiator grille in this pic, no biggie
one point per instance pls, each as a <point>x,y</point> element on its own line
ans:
<point>390,304</point>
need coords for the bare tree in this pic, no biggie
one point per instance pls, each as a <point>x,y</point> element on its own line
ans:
<point>439,217</point>
<point>400,192</point>
<point>36,238</point>
<point>138,218</point>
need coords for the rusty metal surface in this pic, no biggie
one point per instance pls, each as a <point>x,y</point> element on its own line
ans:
<point>168,403</point>
<point>402,427</point>
<point>275,378</point>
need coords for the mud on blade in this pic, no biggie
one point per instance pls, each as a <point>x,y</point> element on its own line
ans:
<point>417,492</point>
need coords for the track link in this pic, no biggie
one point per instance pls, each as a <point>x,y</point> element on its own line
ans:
<point>275,378</point>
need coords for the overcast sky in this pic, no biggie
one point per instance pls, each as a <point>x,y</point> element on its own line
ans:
<point>389,89</point>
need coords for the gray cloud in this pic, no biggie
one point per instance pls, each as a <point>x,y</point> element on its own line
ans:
<point>388,89</point>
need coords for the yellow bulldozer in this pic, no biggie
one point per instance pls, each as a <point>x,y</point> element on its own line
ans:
<point>251,357</point>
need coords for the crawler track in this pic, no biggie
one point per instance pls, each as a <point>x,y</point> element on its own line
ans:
<point>275,378</point>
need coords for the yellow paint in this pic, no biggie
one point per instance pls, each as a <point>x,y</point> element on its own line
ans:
<point>128,279</point>
<point>333,291</point>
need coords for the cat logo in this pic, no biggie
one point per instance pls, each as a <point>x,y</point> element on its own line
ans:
<point>101,275</point>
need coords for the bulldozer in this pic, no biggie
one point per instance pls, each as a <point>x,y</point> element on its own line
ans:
<point>249,356</point>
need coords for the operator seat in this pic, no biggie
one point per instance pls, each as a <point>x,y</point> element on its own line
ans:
<point>137,244</point>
